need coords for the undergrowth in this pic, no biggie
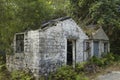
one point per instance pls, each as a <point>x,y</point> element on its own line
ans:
<point>66,72</point>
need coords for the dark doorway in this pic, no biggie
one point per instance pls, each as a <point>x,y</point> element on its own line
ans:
<point>87,49</point>
<point>69,52</point>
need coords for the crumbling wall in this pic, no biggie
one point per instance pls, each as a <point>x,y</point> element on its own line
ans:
<point>24,60</point>
<point>46,50</point>
<point>53,45</point>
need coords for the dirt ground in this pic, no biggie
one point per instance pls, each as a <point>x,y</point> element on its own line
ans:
<point>114,75</point>
<point>105,71</point>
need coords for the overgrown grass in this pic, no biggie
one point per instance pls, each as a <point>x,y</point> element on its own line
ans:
<point>4,73</point>
<point>21,75</point>
<point>82,69</point>
<point>15,75</point>
<point>67,73</point>
<point>80,72</point>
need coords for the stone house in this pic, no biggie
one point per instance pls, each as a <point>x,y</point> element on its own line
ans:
<point>98,42</point>
<point>59,42</point>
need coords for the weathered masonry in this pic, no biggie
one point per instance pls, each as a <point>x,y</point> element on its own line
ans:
<point>59,42</point>
<point>97,44</point>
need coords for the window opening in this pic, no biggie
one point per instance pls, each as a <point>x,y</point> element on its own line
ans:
<point>105,47</point>
<point>19,43</point>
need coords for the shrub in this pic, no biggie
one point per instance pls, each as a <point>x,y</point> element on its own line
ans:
<point>116,57</point>
<point>4,73</point>
<point>21,75</point>
<point>107,59</point>
<point>2,67</point>
<point>110,57</point>
<point>64,73</point>
<point>68,73</point>
<point>2,59</point>
<point>97,61</point>
<point>80,67</point>
<point>81,77</point>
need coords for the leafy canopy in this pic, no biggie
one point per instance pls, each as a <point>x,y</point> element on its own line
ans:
<point>103,12</point>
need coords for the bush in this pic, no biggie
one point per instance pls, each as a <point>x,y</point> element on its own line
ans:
<point>116,57</point>
<point>4,73</point>
<point>81,77</point>
<point>15,75</point>
<point>110,57</point>
<point>97,61</point>
<point>67,73</point>
<point>21,75</point>
<point>107,59</point>
<point>2,58</point>
<point>2,67</point>
<point>80,67</point>
<point>64,73</point>
<point>93,65</point>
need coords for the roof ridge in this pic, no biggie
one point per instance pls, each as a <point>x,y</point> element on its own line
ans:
<point>54,21</point>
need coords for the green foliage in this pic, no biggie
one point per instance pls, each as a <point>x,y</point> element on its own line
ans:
<point>4,73</point>
<point>15,75</point>
<point>2,67</point>
<point>107,59</point>
<point>97,61</point>
<point>117,57</point>
<point>20,15</point>
<point>60,7</point>
<point>97,11</point>
<point>102,12</point>
<point>64,73</point>
<point>7,22</point>
<point>33,12</point>
<point>80,67</point>
<point>67,73</point>
<point>2,58</point>
<point>21,75</point>
<point>81,77</point>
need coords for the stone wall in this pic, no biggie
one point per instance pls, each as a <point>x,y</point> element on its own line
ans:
<point>46,50</point>
<point>53,51</point>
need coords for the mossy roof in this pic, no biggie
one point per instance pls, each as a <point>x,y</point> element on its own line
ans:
<point>91,29</point>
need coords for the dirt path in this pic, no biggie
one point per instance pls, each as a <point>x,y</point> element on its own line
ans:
<point>114,75</point>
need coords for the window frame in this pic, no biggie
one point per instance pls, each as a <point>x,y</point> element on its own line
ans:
<point>87,48</point>
<point>105,46</point>
<point>15,43</point>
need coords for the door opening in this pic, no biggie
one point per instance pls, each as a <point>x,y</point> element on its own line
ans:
<point>87,49</point>
<point>96,48</point>
<point>69,52</point>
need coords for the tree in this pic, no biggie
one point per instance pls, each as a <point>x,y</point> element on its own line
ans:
<point>19,15</point>
<point>33,12</point>
<point>7,23</point>
<point>60,7</point>
<point>103,12</point>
